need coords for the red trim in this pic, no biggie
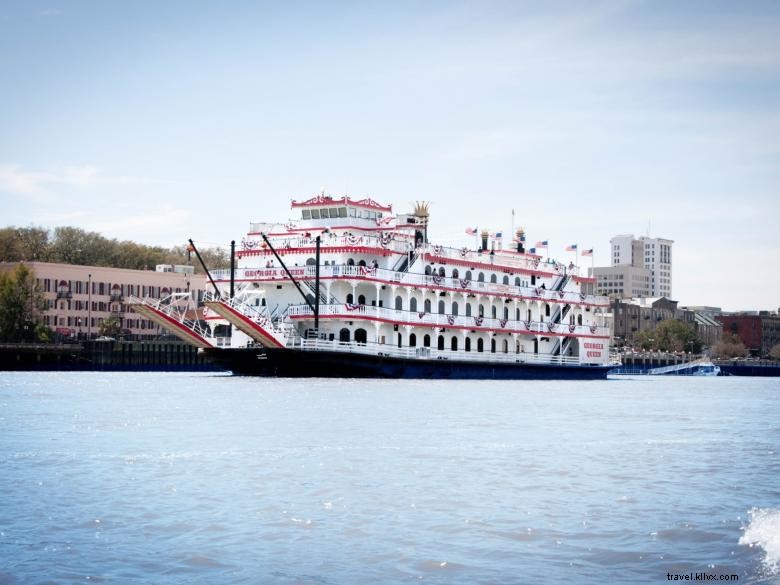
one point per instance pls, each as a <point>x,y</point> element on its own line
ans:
<point>321,200</point>
<point>487,266</point>
<point>323,250</point>
<point>176,324</point>
<point>251,324</point>
<point>358,317</point>
<point>339,227</point>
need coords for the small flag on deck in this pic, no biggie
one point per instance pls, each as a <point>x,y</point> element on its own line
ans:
<point>532,250</point>
<point>497,235</point>
<point>587,252</point>
<point>541,244</point>
<point>572,248</point>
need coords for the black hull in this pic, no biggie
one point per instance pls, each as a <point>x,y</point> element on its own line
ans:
<point>290,363</point>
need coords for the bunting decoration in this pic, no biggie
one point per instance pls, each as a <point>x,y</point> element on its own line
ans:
<point>582,296</point>
<point>351,307</point>
<point>451,319</point>
<point>464,252</point>
<point>502,323</point>
<point>550,326</point>
<point>572,327</point>
<point>593,328</point>
<point>420,314</point>
<point>437,249</point>
<point>527,325</point>
<point>464,283</point>
<point>478,321</point>
<point>561,294</point>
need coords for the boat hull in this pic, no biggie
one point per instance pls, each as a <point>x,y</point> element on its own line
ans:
<point>330,364</point>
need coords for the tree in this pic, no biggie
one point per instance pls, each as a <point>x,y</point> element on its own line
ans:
<point>670,335</point>
<point>21,305</point>
<point>729,346</point>
<point>774,353</point>
<point>110,327</point>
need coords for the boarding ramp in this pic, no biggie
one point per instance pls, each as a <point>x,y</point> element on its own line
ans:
<point>175,313</point>
<point>252,319</point>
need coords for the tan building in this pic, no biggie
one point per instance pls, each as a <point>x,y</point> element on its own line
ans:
<point>622,282</point>
<point>80,298</point>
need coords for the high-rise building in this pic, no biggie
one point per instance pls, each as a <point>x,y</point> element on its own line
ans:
<point>654,254</point>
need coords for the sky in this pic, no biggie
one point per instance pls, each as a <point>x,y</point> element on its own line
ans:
<point>163,121</point>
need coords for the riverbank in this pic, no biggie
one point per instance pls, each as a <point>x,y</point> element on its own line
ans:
<point>104,356</point>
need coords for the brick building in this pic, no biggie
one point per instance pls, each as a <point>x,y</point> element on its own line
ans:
<point>760,332</point>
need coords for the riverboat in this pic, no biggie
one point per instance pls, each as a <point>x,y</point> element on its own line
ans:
<point>350,289</point>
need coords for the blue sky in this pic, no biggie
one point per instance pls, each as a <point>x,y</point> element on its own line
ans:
<point>163,121</point>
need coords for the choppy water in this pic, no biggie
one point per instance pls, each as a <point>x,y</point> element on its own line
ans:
<point>190,478</point>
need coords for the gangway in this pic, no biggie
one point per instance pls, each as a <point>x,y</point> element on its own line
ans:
<point>175,313</point>
<point>680,368</point>
<point>254,320</point>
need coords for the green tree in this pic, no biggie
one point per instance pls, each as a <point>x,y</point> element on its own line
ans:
<point>110,327</point>
<point>21,305</point>
<point>670,335</point>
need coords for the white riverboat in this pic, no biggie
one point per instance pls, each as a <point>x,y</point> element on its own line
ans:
<point>350,289</point>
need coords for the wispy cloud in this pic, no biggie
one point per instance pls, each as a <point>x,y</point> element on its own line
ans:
<point>39,183</point>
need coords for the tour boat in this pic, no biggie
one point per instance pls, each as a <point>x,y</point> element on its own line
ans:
<point>350,289</point>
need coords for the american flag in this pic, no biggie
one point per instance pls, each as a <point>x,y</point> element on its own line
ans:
<point>572,248</point>
<point>542,244</point>
<point>471,231</point>
<point>587,252</point>
<point>497,235</point>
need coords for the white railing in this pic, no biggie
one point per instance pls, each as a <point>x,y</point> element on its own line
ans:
<point>179,307</point>
<point>281,243</point>
<point>430,353</point>
<point>417,319</point>
<point>411,279</point>
<point>258,314</point>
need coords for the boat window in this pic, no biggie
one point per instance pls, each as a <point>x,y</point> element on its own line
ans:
<point>400,340</point>
<point>492,346</point>
<point>413,304</point>
<point>315,213</point>
<point>306,214</point>
<point>427,306</point>
<point>482,310</point>
<point>441,342</point>
<point>441,271</point>
<point>412,340</point>
<point>529,314</point>
<point>361,336</point>
<point>427,270</point>
<point>350,299</point>
<point>344,335</point>
<point>579,319</point>
<point>506,279</point>
<point>517,281</point>
<point>441,307</point>
<point>399,303</point>
<point>352,212</point>
<point>350,262</point>
<point>493,278</point>
<point>468,309</point>
<point>546,310</point>
<point>506,312</point>
<point>342,212</point>
<point>454,343</point>
<point>468,344</point>
<point>310,261</point>
<point>480,345</point>
<point>506,346</point>
<point>481,277</point>
<point>454,273</point>
<point>517,314</point>
<point>493,311</point>
<point>362,263</point>
<point>427,341</point>
<point>455,309</point>
<point>361,300</point>
<point>468,275</point>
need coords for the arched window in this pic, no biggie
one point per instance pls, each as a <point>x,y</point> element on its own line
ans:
<point>493,345</point>
<point>493,311</point>
<point>412,340</point>
<point>400,339</point>
<point>536,346</point>
<point>506,346</point>
<point>454,343</point>
<point>427,305</point>
<point>480,345</point>
<point>413,304</point>
<point>441,307</point>
<point>493,278</point>
<point>361,300</point>
<point>506,312</point>
<point>517,314</point>
<point>506,279</point>
<point>361,336</point>
<point>455,309</point>
<point>310,261</point>
<point>529,314</point>
<point>262,302</point>
<point>428,270</point>
<point>579,319</point>
<point>441,271</point>
<point>480,277</point>
<point>426,340</point>
<point>344,335</point>
<point>350,299</point>
<point>517,281</point>
<point>468,275</point>
<point>351,262</point>
<point>399,303</point>
<point>482,310</point>
<point>468,309</point>
<point>362,263</point>
<point>468,344</point>
<point>546,310</point>
<point>454,273</point>
<point>441,342</point>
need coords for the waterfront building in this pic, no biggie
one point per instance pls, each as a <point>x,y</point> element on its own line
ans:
<point>623,281</point>
<point>80,298</point>
<point>654,254</point>
<point>759,331</point>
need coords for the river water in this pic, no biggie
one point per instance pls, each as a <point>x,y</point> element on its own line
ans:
<point>197,478</point>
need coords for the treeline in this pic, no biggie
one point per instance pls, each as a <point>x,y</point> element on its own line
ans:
<point>70,245</point>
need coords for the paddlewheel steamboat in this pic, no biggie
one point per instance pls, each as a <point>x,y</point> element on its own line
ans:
<point>350,289</point>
